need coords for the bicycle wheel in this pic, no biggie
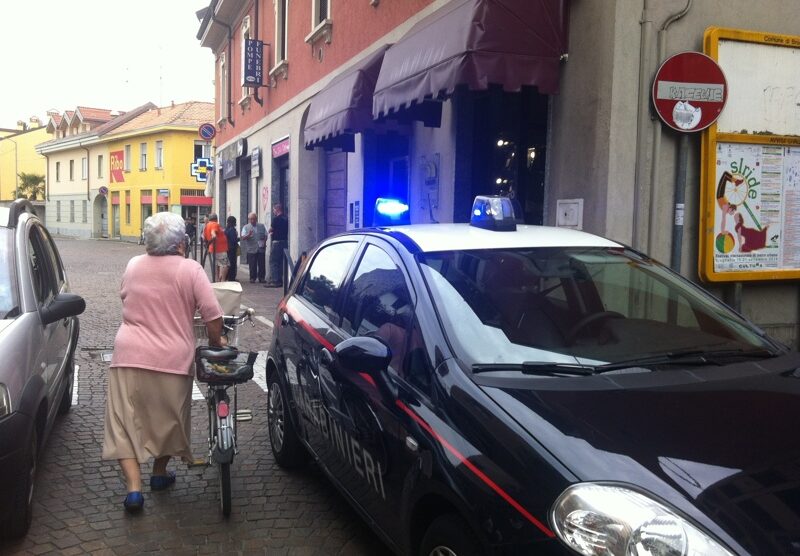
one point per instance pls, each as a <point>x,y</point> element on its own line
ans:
<point>225,488</point>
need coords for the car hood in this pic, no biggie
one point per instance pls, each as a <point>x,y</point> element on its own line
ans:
<point>719,443</point>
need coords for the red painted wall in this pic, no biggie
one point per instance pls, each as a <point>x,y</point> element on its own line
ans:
<point>356,25</point>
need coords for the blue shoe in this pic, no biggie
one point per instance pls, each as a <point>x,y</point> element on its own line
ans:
<point>134,502</point>
<point>161,482</point>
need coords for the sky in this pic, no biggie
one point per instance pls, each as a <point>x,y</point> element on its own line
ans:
<point>115,54</point>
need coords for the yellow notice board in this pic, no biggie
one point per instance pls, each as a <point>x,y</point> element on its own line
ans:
<point>750,169</point>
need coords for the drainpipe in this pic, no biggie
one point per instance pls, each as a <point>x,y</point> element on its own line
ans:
<point>230,63</point>
<point>639,203</point>
<point>257,98</point>
<point>654,167</point>
<point>46,177</point>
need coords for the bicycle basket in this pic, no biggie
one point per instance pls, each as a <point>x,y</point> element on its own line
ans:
<point>225,365</point>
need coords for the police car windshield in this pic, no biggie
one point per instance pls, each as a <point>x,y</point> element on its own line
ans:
<point>565,305</point>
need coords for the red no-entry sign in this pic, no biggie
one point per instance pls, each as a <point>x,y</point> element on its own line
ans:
<point>689,91</point>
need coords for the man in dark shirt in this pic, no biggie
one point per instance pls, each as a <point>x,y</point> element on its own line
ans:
<point>279,236</point>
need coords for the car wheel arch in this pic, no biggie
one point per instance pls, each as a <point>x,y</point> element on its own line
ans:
<point>427,508</point>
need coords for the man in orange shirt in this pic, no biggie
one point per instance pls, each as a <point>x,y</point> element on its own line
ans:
<point>217,244</point>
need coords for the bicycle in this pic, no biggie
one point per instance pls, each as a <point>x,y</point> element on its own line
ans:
<point>221,368</point>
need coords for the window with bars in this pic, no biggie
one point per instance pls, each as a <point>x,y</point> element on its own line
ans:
<point>85,211</point>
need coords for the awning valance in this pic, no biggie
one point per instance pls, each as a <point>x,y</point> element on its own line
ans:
<point>344,107</point>
<point>474,43</point>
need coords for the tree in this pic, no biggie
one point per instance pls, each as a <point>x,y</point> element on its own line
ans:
<point>31,186</point>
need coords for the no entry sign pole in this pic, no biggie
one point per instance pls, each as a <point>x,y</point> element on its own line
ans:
<point>689,93</point>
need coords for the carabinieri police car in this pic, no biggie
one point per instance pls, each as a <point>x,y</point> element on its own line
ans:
<point>494,388</point>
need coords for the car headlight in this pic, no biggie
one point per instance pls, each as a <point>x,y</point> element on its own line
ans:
<point>5,401</point>
<point>610,520</point>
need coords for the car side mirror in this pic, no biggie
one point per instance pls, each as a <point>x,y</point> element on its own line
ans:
<point>363,354</point>
<point>62,306</point>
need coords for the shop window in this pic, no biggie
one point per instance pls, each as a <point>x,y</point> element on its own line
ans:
<point>85,211</point>
<point>58,211</point>
<point>72,211</point>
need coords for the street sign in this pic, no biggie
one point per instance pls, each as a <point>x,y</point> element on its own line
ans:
<point>103,190</point>
<point>207,132</point>
<point>689,91</point>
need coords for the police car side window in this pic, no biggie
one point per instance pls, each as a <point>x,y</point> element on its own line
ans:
<point>324,278</point>
<point>379,304</point>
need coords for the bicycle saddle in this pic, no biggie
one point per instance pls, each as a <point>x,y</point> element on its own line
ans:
<point>212,353</point>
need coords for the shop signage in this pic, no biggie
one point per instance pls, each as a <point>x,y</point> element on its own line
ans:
<point>255,162</point>
<point>689,91</point>
<point>280,148</point>
<point>117,165</point>
<point>207,131</point>
<point>229,158</point>
<point>253,63</point>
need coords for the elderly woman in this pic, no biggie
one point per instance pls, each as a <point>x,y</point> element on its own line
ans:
<point>148,406</point>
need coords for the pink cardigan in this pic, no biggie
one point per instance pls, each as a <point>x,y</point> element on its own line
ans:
<point>159,298</point>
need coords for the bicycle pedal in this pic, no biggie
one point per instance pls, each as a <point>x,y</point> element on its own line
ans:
<point>244,415</point>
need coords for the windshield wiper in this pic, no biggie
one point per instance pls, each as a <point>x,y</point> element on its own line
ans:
<point>688,357</point>
<point>537,368</point>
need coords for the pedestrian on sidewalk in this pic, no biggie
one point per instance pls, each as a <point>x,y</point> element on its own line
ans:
<point>254,244</point>
<point>232,235</point>
<point>279,238</point>
<point>218,245</point>
<point>149,393</point>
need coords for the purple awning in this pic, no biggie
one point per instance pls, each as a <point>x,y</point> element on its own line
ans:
<point>474,43</point>
<point>344,107</point>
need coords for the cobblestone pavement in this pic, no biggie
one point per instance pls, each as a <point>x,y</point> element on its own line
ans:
<point>78,497</point>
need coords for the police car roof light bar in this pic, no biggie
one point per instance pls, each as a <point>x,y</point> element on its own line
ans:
<point>493,212</point>
<point>390,212</point>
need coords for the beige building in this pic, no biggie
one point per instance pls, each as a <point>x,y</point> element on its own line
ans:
<point>77,169</point>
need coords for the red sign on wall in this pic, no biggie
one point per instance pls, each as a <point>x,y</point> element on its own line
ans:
<point>117,162</point>
<point>689,91</point>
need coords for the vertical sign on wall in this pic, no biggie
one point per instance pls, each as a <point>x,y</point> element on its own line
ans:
<point>117,166</point>
<point>253,63</point>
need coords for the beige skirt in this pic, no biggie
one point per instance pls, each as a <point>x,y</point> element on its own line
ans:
<point>148,414</point>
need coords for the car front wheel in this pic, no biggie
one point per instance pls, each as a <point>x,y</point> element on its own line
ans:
<point>449,535</point>
<point>287,449</point>
<point>19,521</point>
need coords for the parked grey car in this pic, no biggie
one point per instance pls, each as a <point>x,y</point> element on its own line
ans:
<point>38,337</point>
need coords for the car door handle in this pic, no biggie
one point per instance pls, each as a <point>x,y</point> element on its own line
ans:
<point>325,357</point>
<point>284,319</point>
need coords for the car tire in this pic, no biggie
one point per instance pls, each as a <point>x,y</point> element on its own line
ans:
<point>449,535</point>
<point>18,523</point>
<point>287,448</point>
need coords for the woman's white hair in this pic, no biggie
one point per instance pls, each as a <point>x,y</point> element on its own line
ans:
<point>163,233</point>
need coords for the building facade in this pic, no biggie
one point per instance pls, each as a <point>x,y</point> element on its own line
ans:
<point>18,155</point>
<point>435,101</point>
<point>77,169</point>
<point>157,162</point>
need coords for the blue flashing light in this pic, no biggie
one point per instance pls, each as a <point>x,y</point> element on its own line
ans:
<point>492,212</point>
<point>390,212</point>
<point>390,207</point>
